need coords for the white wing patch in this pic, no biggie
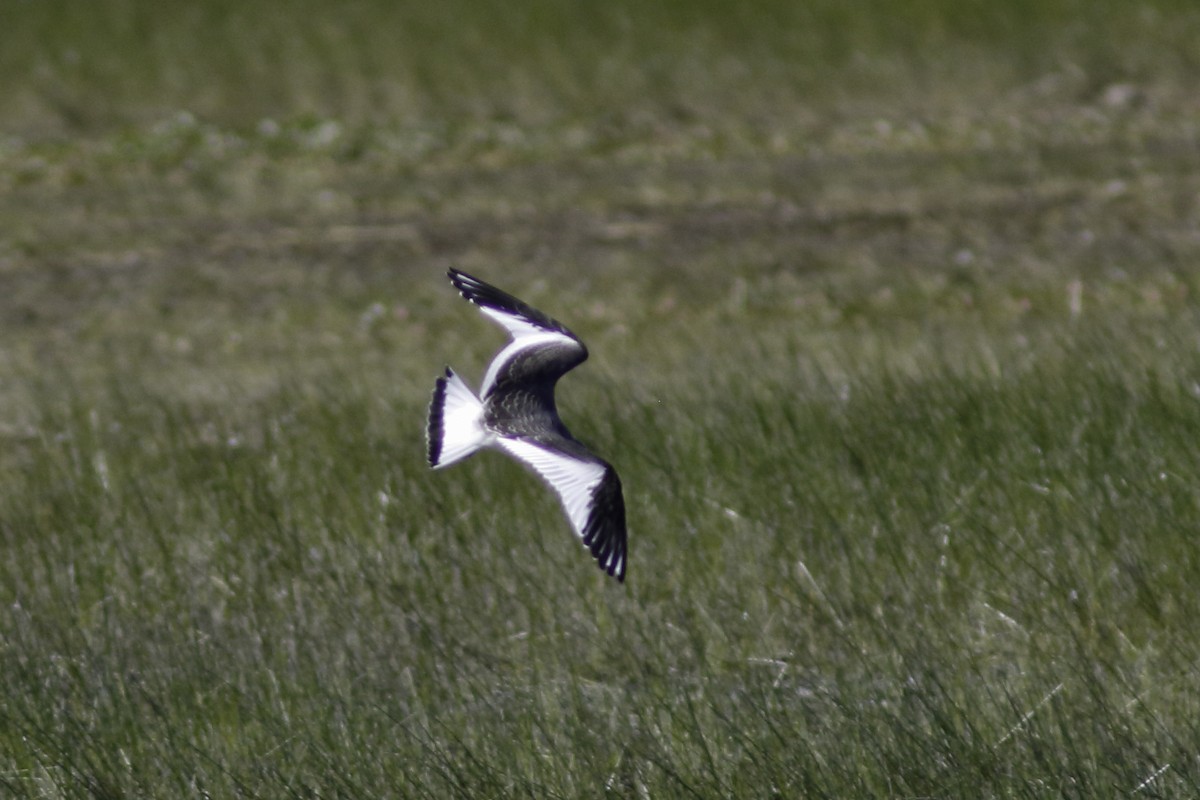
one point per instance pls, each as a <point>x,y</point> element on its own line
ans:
<point>573,480</point>
<point>516,324</point>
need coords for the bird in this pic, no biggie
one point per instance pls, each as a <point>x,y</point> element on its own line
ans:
<point>515,412</point>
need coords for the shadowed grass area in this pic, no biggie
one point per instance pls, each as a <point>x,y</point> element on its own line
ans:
<point>893,333</point>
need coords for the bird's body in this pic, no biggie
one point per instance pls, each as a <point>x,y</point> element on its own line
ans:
<point>515,412</point>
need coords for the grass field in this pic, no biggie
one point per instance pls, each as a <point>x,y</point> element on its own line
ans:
<point>895,334</point>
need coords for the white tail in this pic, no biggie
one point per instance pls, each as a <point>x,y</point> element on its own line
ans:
<point>455,428</point>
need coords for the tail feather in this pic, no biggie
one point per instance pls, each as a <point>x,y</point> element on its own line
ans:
<point>455,428</point>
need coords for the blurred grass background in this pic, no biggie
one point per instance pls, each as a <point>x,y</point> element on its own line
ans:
<point>893,324</point>
<point>72,67</point>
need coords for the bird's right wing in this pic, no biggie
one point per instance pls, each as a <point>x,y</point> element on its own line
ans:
<point>591,495</point>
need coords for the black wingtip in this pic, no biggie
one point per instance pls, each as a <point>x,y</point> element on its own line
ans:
<point>484,295</point>
<point>481,292</point>
<point>471,287</point>
<point>605,534</point>
<point>434,429</point>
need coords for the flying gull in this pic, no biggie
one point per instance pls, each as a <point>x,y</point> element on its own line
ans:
<point>515,412</point>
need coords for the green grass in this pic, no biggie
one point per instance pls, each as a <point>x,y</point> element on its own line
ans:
<point>953,581</point>
<point>894,343</point>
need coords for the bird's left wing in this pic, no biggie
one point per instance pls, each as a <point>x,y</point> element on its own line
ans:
<point>518,318</point>
<point>542,348</point>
